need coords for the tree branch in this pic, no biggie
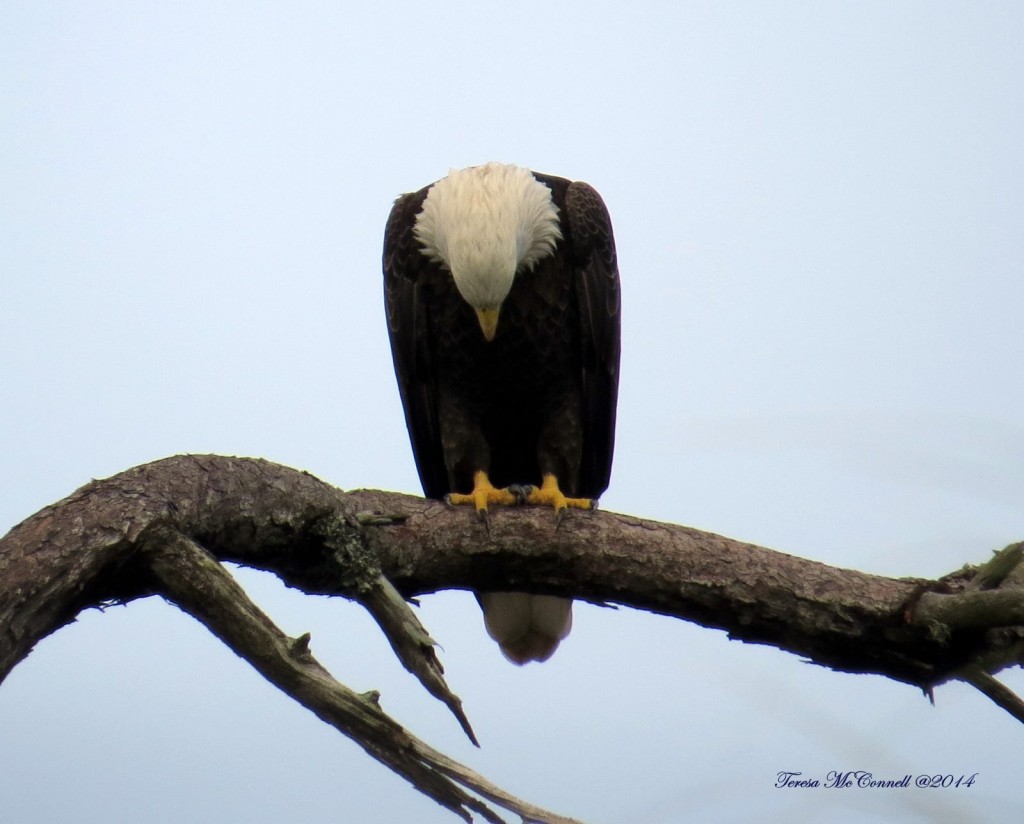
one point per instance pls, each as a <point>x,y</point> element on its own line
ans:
<point>193,580</point>
<point>161,527</point>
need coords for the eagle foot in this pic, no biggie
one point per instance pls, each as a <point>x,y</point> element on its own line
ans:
<point>484,494</point>
<point>549,494</point>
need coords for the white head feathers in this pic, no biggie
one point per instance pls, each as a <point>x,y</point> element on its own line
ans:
<point>484,224</point>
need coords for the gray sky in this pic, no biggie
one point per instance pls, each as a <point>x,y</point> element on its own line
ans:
<point>819,211</point>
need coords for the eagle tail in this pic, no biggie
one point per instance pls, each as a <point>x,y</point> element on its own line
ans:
<point>526,627</point>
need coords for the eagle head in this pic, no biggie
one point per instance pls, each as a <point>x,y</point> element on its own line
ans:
<point>484,224</point>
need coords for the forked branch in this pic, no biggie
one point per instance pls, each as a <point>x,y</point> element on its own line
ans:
<point>193,580</point>
<point>163,528</point>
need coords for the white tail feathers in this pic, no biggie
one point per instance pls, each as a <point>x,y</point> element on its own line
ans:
<point>526,627</point>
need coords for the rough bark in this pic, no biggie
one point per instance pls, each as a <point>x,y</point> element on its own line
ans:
<point>161,527</point>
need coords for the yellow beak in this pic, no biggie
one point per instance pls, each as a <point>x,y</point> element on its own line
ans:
<point>488,319</point>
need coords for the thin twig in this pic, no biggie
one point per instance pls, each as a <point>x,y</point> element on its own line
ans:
<point>412,644</point>
<point>996,690</point>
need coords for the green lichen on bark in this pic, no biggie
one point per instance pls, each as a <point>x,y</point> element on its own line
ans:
<point>355,564</point>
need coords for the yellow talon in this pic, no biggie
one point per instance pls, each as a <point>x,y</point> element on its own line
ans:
<point>550,495</point>
<point>484,493</point>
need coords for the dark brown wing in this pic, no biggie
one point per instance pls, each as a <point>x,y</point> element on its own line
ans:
<point>410,343</point>
<point>587,231</point>
<point>597,291</point>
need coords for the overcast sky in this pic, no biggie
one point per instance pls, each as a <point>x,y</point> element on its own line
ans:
<point>819,211</point>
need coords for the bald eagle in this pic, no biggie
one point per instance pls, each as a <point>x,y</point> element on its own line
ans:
<point>502,296</point>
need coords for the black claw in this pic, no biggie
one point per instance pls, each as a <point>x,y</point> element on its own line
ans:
<point>560,517</point>
<point>485,519</point>
<point>448,499</point>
